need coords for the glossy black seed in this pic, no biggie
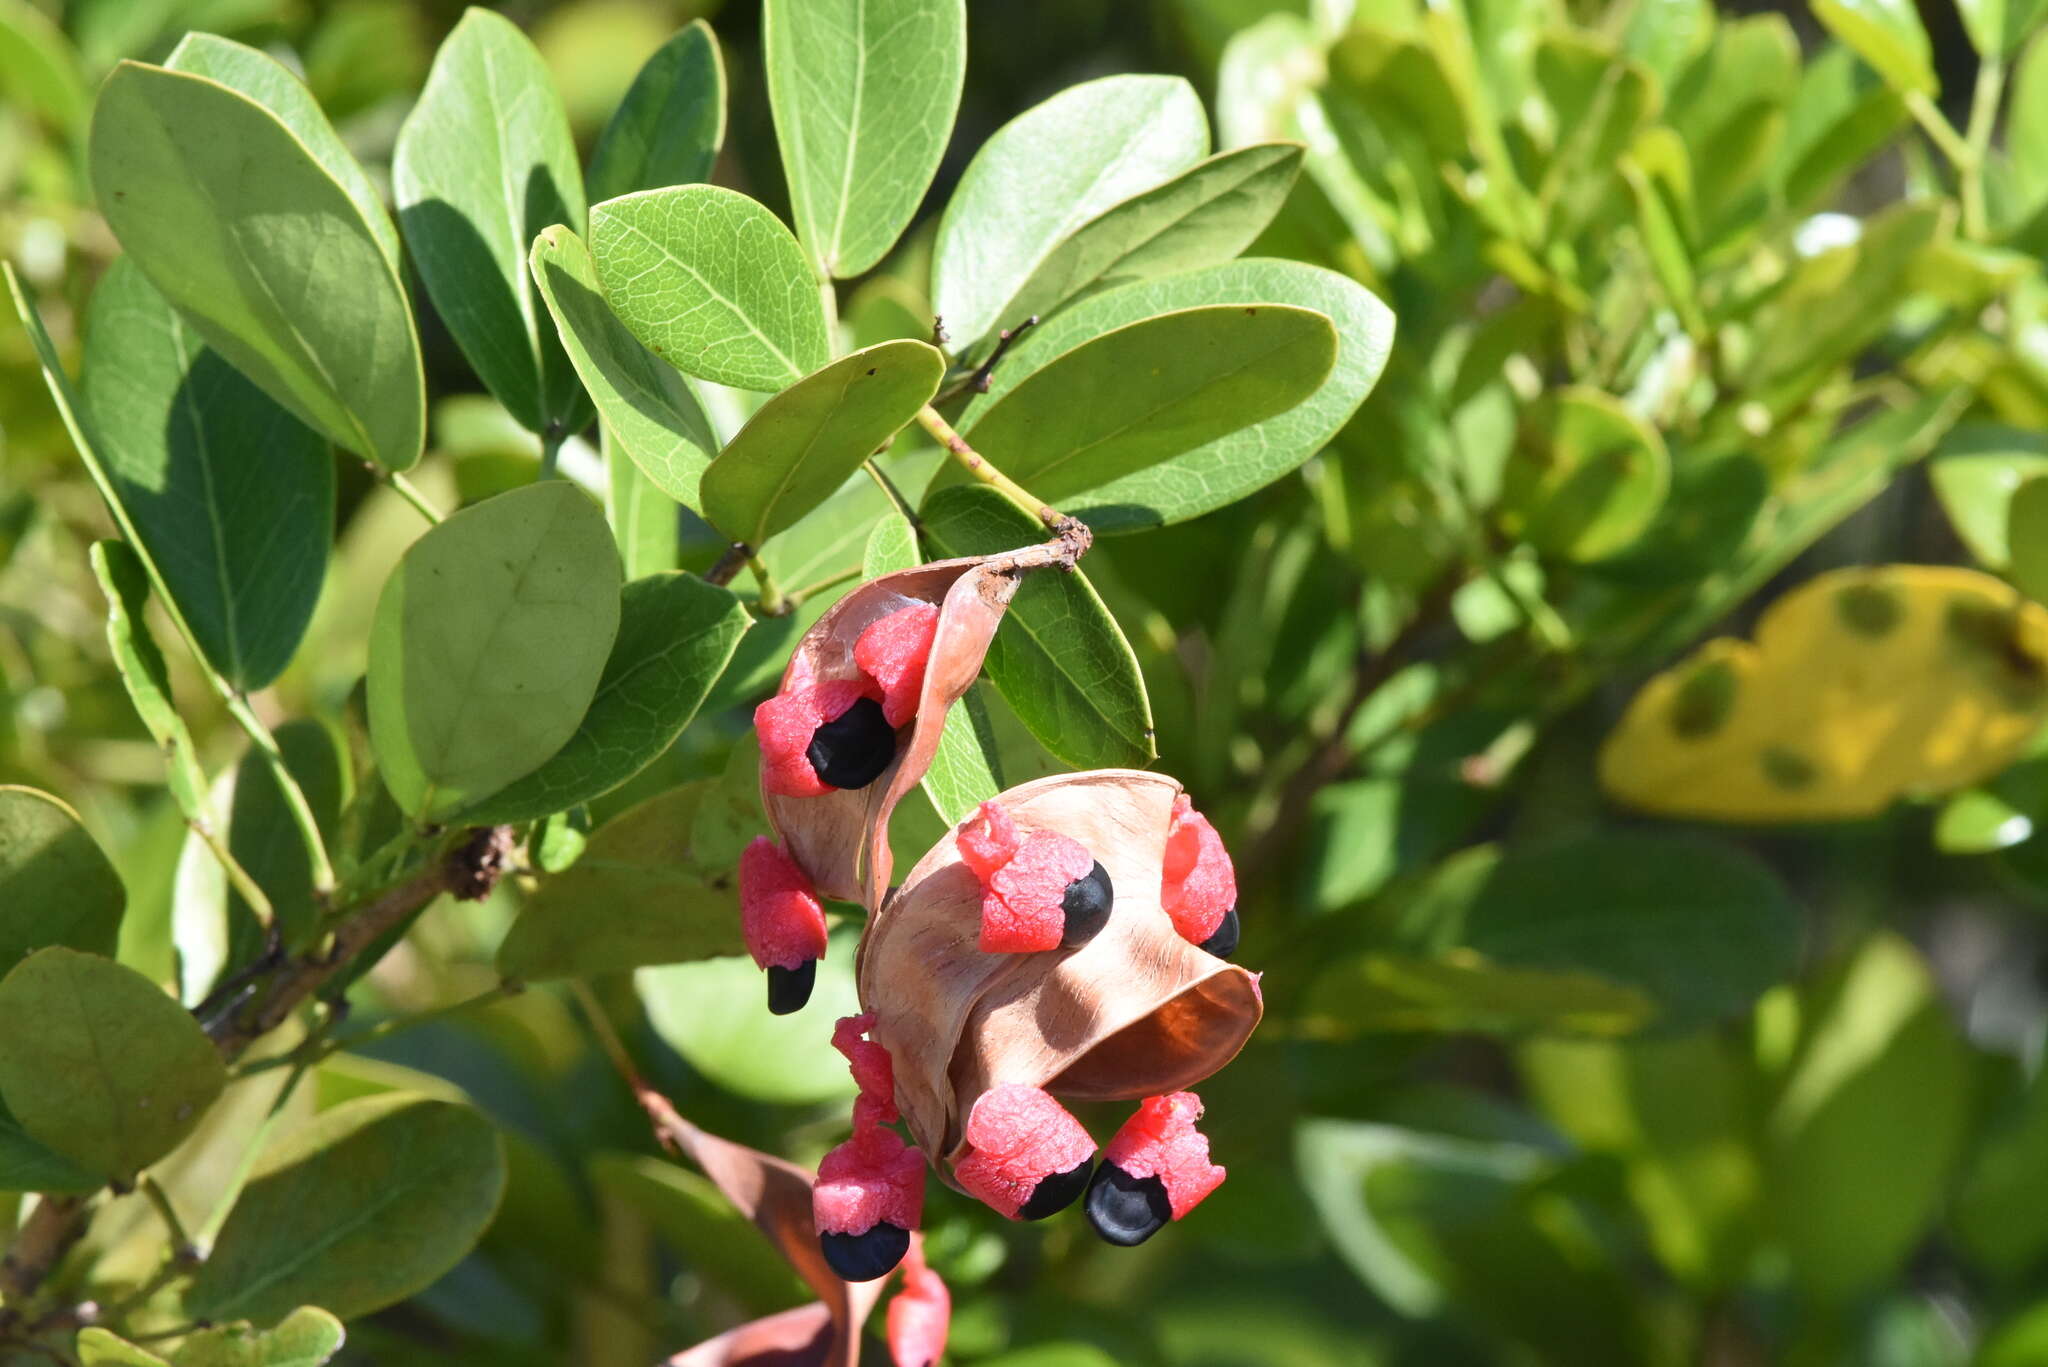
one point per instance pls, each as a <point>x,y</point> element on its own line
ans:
<point>853,749</point>
<point>1223,943</point>
<point>1126,1210</point>
<point>790,988</point>
<point>1086,904</point>
<point>1054,1193</point>
<point>864,1257</point>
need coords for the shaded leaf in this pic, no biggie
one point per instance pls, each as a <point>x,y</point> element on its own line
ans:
<point>676,635</point>
<point>39,67</point>
<point>864,93</point>
<point>1974,475</point>
<point>669,127</point>
<point>56,884</point>
<point>489,641</point>
<point>308,1337</point>
<point>1586,478</point>
<point>263,252</point>
<point>804,442</point>
<point>26,1164</point>
<point>645,521</point>
<point>2027,534</point>
<point>710,282</point>
<point>368,1203</point>
<point>98,1064</point>
<point>125,583</point>
<point>484,162</point>
<point>1460,991</point>
<point>691,1216</point>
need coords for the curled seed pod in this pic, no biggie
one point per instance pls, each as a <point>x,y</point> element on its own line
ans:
<point>1135,1012</point>
<point>840,835</point>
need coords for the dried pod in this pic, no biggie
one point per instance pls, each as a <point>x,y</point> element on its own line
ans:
<point>1136,1012</point>
<point>841,837</point>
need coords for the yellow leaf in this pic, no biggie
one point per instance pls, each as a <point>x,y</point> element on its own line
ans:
<point>1863,686</point>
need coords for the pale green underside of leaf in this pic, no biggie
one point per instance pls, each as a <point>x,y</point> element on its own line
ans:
<point>125,584</point>
<point>648,407</point>
<point>488,644</point>
<point>231,497</point>
<point>864,93</point>
<point>1043,175</point>
<point>484,162</point>
<point>1059,658</point>
<point>712,283</point>
<point>249,236</point>
<point>1234,466</point>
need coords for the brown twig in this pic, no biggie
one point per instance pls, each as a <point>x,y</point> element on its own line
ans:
<point>45,1237</point>
<point>979,384</point>
<point>728,565</point>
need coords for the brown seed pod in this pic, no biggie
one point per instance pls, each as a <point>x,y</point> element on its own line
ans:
<point>1135,1012</point>
<point>841,839</point>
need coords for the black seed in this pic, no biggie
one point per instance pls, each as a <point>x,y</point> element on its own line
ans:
<point>1086,903</point>
<point>864,1257</point>
<point>1223,943</point>
<point>790,988</point>
<point>853,749</point>
<point>1126,1210</point>
<point>1054,1193</point>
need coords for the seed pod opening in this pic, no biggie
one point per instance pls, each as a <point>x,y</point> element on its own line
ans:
<point>840,834</point>
<point>1137,1011</point>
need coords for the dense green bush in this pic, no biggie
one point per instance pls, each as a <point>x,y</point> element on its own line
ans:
<point>443,464</point>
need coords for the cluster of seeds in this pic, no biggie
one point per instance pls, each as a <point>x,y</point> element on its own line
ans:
<point>1042,891</point>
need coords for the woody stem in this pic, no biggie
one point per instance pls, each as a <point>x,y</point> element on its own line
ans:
<point>1072,532</point>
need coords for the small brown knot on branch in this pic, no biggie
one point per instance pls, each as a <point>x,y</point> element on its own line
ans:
<point>729,564</point>
<point>979,384</point>
<point>477,865</point>
<point>1073,535</point>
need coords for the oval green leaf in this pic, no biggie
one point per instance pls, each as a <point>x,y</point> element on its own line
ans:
<point>1230,467</point>
<point>489,641</point>
<point>1147,392</point>
<point>864,93</point>
<point>1204,216</point>
<point>483,163</point>
<point>98,1064</point>
<point>1974,475</point>
<point>676,635</point>
<point>649,409</point>
<point>668,129</point>
<point>230,215</point>
<point>56,885</point>
<point>645,521</point>
<point>231,497</point>
<point>1586,478</point>
<point>369,1203</point>
<point>804,442</point>
<point>1888,35</point>
<point>637,896</point>
<point>1059,659</point>
<point>712,283</point>
<point>308,1337</point>
<point>267,81</point>
<point>1043,175</point>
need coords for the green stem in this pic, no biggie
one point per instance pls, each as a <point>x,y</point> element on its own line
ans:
<point>251,893</point>
<point>1984,101</point>
<point>210,1231</point>
<point>182,1247</point>
<point>294,796</point>
<point>551,449</point>
<point>1937,127</point>
<point>408,491</point>
<point>771,603</point>
<point>326,1047</point>
<point>795,597</point>
<point>974,463</point>
<point>891,492</point>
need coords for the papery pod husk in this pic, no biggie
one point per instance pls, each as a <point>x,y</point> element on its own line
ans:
<point>1135,1012</point>
<point>776,1195</point>
<point>841,839</point>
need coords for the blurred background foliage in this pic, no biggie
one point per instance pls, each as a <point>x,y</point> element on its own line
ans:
<point>1692,305</point>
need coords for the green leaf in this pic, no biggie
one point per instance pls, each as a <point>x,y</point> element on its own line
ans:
<point>1698,928</point>
<point>1842,113</point>
<point>645,521</point>
<point>638,896</point>
<point>648,408</point>
<point>1144,393</point>
<point>103,1348</point>
<point>965,770</point>
<point>125,583</point>
<point>892,546</point>
<point>308,1337</point>
<point>229,495</point>
<point>98,1064</point>
<point>483,163</point>
<point>1459,991</point>
<point>1203,217</point>
<point>710,282</point>
<point>1878,1100</point>
<point>56,885</point>
<point>2027,534</point>
<point>356,1210</point>
<point>268,82</point>
<point>29,1165</point>
<point>864,93</point>
<point>1975,474</point>
<point>267,256</point>
<point>1996,27</point>
<point>39,68</point>
<point>669,127</point>
<point>1225,468</point>
<point>1059,658</point>
<point>1043,175</point>
<point>1665,243</point>
<point>804,442</point>
<point>2001,1210</point>
<point>1887,34</point>
<point>694,1218</point>
<point>676,636</point>
<point>489,641</point>
<point>715,1014</point>
<point>1586,478</point>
